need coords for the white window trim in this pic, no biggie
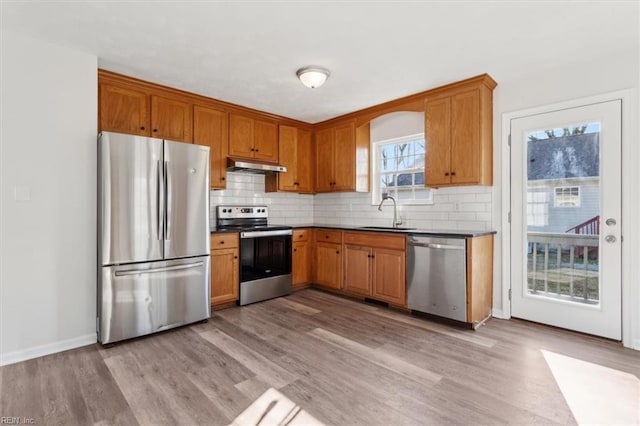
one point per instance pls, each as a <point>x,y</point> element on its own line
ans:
<point>376,195</point>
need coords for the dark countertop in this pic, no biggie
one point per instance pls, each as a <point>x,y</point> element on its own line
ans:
<point>445,233</point>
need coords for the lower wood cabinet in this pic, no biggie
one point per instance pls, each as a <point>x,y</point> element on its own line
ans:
<point>328,259</point>
<point>301,258</point>
<point>374,266</point>
<point>224,268</point>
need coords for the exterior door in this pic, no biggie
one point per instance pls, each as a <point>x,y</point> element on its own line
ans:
<point>566,218</point>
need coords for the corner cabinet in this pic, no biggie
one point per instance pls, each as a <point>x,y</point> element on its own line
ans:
<point>253,138</point>
<point>374,266</point>
<point>225,272</point>
<point>210,129</point>
<point>459,135</point>
<point>342,158</point>
<point>296,154</point>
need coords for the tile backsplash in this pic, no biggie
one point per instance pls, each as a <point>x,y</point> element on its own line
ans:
<point>465,208</point>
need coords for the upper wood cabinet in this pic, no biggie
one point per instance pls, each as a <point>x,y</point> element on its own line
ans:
<point>123,110</point>
<point>171,119</point>
<point>342,158</point>
<point>210,128</point>
<point>295,153</point>
<point>128,110</point>
<point>253,138</point>
<point>458,133</point>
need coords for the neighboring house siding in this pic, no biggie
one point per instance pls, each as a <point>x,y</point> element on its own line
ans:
<point>545,217</point>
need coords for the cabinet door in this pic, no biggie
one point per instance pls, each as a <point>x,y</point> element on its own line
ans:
<point>171,119</point>
<point>288,141</point>
<point>240,136</point>
<point>389,276</point>
<point>124,110</point>
<point>224,276</point>
<point>301,264</point>
<point>328,265</point>
<point>305,166</point>
<point>345,158</point>
<point>265,141</point>
<point>438,142</point>
<point>210,129</point>
<point>465,138</point>
<point>324,160</point>
<point>357,270</point>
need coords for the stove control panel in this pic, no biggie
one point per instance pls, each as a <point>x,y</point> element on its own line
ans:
<point>242,212</point>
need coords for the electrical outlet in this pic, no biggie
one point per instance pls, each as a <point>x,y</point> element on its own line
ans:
<point>456,206</point>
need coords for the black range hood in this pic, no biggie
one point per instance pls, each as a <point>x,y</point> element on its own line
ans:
<point>253,166</point>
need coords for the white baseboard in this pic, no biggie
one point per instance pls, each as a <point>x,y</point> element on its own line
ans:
<point>50,348</point>
<point>498,313</point>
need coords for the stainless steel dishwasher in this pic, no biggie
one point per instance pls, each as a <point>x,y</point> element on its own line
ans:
<point>437,276</point>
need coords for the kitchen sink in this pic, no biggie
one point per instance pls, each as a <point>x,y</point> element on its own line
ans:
<point>387,228</point>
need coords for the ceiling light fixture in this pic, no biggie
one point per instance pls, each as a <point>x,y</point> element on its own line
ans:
<point>312,76</point>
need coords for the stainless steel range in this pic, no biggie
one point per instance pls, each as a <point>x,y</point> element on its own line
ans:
<point>265,252</point>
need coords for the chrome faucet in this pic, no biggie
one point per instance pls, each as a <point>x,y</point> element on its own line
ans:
<point>385,196</point>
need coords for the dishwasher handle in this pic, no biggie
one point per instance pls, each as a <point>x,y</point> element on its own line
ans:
<point>436,246</point>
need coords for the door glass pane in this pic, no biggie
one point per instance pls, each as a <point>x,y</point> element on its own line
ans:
<point>563,213</point>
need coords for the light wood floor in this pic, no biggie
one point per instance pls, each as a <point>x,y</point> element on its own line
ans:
<point>342,361</point>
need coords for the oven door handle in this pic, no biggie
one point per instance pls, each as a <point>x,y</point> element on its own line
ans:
<point>258,234</point>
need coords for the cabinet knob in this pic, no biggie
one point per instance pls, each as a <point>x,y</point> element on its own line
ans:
<point>221,242</point>
<point>453,173</point>
<point>141,127</point>
<point>223,178</point>
<point>296,183</point>
<point>235,257</point>
<point>295,249</point>
<point>446,174</point>
<point>257,150</point>
<point>253,149</point>
<point>337,251</point>
<point>155,130</point>
<point>326,236</point>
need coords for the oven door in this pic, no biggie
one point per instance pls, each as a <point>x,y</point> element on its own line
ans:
<point>265,265</point>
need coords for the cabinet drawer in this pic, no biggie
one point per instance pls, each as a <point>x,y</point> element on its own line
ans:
<point>378,239</point>
<point>227,240</point>
<point>323,235</point>
<point>300,235</point>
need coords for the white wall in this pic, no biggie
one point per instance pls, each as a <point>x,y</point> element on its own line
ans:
<point>587,76</point>
<point>48,241</point>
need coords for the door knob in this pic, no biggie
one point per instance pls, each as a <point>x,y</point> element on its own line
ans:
<point>610,239</point>
<point>611,222</point>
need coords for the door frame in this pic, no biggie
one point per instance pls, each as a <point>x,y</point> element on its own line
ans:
<point>630,208</point>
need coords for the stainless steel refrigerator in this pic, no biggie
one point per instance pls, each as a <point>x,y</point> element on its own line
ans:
<point>153,235</point>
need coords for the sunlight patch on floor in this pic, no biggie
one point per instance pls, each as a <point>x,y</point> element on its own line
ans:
<point>273,408</point>
<point>596,394</point>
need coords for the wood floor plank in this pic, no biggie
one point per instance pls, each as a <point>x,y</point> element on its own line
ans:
<point>103,397</point>
<point>21,391</point>
<point>379,358</point>
<point>149,405</point>
<point>251,359</point>
<point>296,306</point>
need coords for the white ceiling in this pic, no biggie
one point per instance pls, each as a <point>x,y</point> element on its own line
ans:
<point>247,52</point>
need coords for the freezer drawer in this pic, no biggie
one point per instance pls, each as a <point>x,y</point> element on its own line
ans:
<point>437,276</point>
<point>143,298</point>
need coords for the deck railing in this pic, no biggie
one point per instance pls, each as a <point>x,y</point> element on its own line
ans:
<point>564,266</point>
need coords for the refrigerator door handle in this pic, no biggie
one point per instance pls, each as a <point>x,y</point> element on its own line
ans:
<point>167,215</point>
<point>168,201</point>
<point>157,270</point>
<point>160,200</point>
